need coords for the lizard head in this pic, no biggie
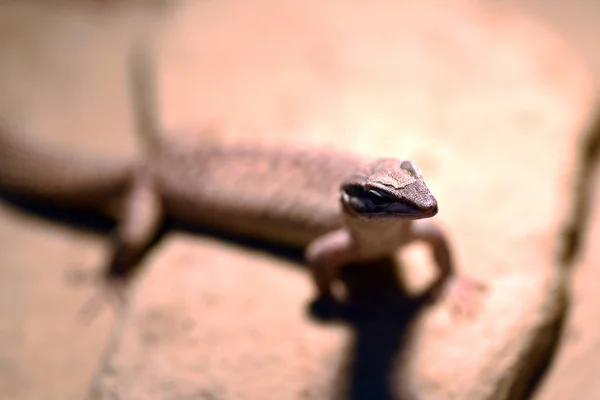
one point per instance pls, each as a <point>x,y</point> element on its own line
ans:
<point>388,189</point>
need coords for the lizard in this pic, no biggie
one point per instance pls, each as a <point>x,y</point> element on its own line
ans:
<point>340,207</point>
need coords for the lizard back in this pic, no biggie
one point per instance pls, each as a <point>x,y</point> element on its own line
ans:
<point>284,195</point>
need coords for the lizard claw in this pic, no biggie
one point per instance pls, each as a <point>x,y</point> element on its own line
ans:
<point>463,295</point>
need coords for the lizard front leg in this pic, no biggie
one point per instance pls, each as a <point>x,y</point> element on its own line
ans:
<point>459,290</point>
<point>324,257</point>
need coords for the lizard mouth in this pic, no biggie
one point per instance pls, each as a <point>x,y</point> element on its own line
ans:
<point>402,211</point>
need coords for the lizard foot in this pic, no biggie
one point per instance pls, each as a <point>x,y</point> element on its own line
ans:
<point>113,290</point>
<point>325,308</point>
<point>463,295</point>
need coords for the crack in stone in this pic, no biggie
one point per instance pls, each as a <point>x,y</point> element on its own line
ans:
<point>572,236</point>
<point>574,232</point>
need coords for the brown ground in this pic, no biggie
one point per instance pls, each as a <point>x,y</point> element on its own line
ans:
<point>463,88</point>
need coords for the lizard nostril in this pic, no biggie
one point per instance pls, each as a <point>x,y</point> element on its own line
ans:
<point>433,208</point>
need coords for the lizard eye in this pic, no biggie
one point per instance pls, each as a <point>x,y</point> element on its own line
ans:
<point>379,199</point>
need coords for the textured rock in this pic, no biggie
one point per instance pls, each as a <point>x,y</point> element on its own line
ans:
<point>60,80</point>
<point>485,101</point>
<point>574,374</point>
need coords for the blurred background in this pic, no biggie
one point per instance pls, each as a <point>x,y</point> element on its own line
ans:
<point>493,99</point>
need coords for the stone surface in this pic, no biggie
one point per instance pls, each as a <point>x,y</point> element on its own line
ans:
<point>485,101</point>
<point>61,80</point>
<point>575,371</point>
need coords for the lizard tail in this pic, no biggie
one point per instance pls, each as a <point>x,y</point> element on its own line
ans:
<point>143,90</point>
<point>41,172</point>
<point>38,171</point>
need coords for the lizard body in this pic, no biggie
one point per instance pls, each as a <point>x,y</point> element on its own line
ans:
<point>340,207</point>
<point>288,196</point>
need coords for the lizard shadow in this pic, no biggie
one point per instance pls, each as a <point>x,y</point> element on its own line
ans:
<point>381,315</point>
<point>377,310</point>
<point>83,220</point>
<point>90,221</point>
